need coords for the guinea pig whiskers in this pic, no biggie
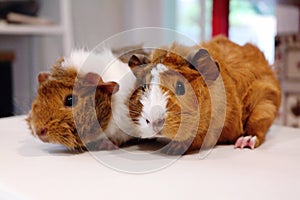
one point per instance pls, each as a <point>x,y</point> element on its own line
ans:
<point>135,119</point>
<point>177,113</point>
<point>132,103</point>
<point>134,112</point>
<point>170,107</point>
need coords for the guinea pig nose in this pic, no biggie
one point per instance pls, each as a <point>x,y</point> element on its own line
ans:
<point>158,124</point>
<point>157,114</point>
<point>42,131</point>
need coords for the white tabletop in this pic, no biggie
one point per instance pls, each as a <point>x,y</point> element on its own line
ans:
<point>30,169</point>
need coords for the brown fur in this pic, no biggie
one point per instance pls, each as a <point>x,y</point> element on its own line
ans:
<point>70,126</point>
<point>252,91</point>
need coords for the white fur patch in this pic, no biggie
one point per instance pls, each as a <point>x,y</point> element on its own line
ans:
<point>104,63</point>
<point>76,58</point>
<point>109,68</point>
<point>156,71</point>
<point>154,103</point>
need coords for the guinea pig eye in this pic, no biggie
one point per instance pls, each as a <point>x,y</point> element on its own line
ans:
<point>144,87</point>
<point>70,100</point>
<point>180,89</point>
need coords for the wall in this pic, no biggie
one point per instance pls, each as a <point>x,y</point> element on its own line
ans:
<point>287,18</point>
<point>93,22</point>
<point>20,69</point>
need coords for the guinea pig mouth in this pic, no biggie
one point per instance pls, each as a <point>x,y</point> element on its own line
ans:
<point>153,134</point>
<point>44,138</point>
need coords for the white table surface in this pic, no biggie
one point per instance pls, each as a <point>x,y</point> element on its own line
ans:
<point>30,169</point>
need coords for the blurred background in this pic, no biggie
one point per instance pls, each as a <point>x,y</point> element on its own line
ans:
<point>33,34</point>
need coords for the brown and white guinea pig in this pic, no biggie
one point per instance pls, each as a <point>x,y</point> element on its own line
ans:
<point>179,95</point>
<point>75,106</point>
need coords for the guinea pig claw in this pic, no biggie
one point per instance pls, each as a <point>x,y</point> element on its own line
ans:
<point>246,141</point>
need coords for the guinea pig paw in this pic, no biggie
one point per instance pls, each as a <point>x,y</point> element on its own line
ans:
<point>102,144</point>
<point>80,149</point>
<point>246,141</point>
<point>175,148</point>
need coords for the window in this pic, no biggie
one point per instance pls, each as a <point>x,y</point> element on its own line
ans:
<point>190,17</point>
<point>253,21</point>
<point>249,21</point>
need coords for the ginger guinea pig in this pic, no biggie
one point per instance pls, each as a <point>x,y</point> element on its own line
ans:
<point>80,109</point>
<point>177,96</point>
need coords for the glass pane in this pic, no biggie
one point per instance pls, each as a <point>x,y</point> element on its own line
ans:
<point>188,14</point>
<point>253,21</point>
<point>185,16</point>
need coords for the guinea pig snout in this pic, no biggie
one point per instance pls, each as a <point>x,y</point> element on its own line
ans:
<point>42,134</point>
<point>158,124</point>
<point>156,119</point>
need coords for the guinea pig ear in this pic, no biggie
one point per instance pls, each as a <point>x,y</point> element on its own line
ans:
<point>92,79</point>
<point>203,63</point>
<point>95,80</point>
<point>43,76</point>
<point>110,87</point>
<point>138,60</point>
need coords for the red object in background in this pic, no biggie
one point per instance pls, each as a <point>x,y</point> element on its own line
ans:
<point>220,17</point>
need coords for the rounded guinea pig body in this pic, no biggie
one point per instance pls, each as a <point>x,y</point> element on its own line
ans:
<point>180,97</point>
<point>75,107</point>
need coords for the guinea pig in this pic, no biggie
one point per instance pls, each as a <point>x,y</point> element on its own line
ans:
<point>179,96</point>
<point>81,103</point>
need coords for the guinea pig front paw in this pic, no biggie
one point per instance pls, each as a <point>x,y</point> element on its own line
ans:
<point>80,149</point>
<point>102,144</point>
<point>176,147</point>
<point>246,141</point>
